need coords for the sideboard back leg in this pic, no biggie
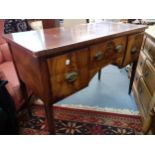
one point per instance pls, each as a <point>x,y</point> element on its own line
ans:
<point>99,74</point>
<point>134,66</point>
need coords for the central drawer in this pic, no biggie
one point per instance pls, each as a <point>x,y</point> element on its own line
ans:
<point>107,52</point>
<point>68,73</point>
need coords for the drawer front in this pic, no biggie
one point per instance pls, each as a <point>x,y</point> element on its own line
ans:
<point>149,48</point>
<point>136,78</point>
<point>69,73</point>
<point>144,95</point>
<point>141,61</point>
<point>138,102</point>
<point>108,52</point>
<point>133,48</point>
<point>149,76</point>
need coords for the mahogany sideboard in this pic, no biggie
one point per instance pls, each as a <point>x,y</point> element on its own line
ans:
<point>55,63</point>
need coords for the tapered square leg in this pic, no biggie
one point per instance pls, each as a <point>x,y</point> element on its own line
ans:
<point>99,74</point>
<point>50,118</point>
<point>133,71</point>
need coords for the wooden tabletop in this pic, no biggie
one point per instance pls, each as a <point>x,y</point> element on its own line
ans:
<point>55,40</point>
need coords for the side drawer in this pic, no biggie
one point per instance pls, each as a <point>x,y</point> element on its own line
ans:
<point>149,76</point>
<point>149,48</point>
<point>141,61</point>
<point>144,95</point>
<point>133,48</point>
<point>68,73</point>
<point>137,77</point>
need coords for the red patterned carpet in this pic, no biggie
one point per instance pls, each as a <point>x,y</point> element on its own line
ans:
<point>69,121</point>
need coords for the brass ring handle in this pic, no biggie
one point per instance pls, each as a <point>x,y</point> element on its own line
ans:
<point>71,76</point>
<point>140,90</point>
<point>118,48</point>
<point>98,56</point>
<point>146,73</point>
<point>134,50</point>
<point>141,63</point>
<point>149,49</point>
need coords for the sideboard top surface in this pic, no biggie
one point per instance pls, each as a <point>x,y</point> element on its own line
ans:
<point>55,40</point>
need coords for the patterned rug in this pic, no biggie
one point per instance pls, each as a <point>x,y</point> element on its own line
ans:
<point>70,121</point>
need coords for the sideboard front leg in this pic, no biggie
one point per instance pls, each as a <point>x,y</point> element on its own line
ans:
<point>133,71</point>
<point>27,97</point>
<point>50,118</point>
